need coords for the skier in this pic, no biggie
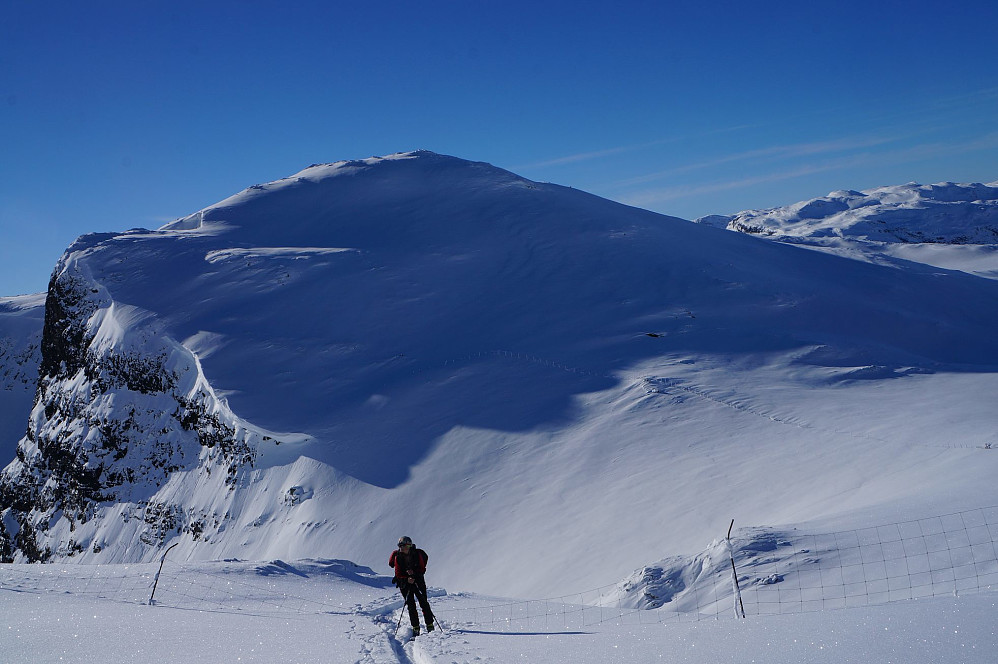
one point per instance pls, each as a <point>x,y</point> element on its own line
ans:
<point>410,566</point>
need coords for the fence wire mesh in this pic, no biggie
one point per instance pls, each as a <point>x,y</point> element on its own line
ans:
<point>779,572</point>
<point>941,555</point>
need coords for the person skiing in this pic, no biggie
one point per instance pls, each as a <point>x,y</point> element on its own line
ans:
<point>410,566</point>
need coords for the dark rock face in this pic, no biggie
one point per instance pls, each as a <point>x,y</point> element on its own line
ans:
<point>19,364</point>
<point>21,321</point>
<point>68,307</point>
<point>110,422</point>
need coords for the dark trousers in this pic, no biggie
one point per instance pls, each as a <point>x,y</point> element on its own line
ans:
<point>414,592</point>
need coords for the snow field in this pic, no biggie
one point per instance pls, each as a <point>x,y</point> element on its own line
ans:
<point>333,611</point>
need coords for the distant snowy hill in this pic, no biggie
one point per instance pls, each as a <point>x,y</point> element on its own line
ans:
<point>945,213</point>
<point>20,354</point>
<point>948,225</point>
<point>545,389</point>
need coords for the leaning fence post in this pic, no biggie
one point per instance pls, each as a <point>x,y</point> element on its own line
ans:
<point>156,580</point>
<point>739,606</point>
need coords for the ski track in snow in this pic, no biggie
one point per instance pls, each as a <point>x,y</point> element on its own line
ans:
<point>735,404</point>
<point>43,626</point>
<point>667,382</point>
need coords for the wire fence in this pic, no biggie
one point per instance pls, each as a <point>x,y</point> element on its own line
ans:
<point>182,586</point>
<point>779,572</point>
<point>943,555</point>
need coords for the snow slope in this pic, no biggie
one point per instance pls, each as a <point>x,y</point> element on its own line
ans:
<point>20,353</point>
<point>547,390</point>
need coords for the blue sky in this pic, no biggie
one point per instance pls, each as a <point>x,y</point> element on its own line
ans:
<point>116,115</point>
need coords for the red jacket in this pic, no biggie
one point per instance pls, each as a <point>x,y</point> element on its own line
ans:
<point>411,565</point>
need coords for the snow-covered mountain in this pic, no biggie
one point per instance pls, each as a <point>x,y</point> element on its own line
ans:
<point>546,389</point>
<point>940,213</point>
<point>954,226</point>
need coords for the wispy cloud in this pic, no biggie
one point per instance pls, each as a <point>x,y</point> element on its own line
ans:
<point>585,156</point>
<point>598,154</point>
<point>660,194</point>
<point>867,159</point>
<point>987,141</point>
<point>770,153</point>
<point>983,96</point>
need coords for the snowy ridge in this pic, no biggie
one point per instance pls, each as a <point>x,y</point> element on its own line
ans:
<point>430,346</point>
<point>946,212</point>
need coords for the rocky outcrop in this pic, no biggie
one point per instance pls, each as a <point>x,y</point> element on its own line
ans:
<point>118,409</point>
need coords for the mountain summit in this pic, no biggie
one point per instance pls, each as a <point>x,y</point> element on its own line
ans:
<point>419,343</point>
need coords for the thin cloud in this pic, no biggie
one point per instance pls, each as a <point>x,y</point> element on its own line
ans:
<point>817,148</point>
<point>913,153</point>
<point>597,154</point>
<point>652,196</point>
<point>987,141</point>
<point>982,96</point>
<point>585,156</point>
<point>775,152</point>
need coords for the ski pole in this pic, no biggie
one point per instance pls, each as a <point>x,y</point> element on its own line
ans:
<point>405,603</point>
<point>425,597</point>
<point>438,622</point>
